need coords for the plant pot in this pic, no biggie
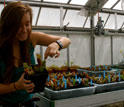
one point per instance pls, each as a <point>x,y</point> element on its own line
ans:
<point>39,79</point>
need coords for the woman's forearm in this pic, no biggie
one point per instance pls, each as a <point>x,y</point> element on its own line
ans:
<point>7,88</point>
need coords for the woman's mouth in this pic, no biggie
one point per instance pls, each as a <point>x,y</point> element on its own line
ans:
<point>22,36</point>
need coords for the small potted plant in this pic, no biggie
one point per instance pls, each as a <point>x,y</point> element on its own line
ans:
<point>73,67</point>
<point>37,74</point>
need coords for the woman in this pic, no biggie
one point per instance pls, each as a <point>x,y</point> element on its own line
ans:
<point>17,43</point>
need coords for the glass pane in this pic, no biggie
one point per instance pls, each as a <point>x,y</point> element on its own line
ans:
<point>111,22</point>
<point>109,3</point>
<point>120,20</point>
<point>78,2</point>
<point>35,13</point>
<point>118,6</point>
<point>74,19</point>
<point>57,1</point>
<point>49,17</point>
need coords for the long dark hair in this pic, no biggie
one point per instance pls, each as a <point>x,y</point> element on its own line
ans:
<point>10,22</point>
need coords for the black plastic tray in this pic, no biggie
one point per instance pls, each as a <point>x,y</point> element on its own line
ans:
<point>69,93</point>
<point>109,87</point>
<point>96,73</point>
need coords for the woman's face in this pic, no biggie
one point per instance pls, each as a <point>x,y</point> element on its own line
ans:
<point>25,28</point>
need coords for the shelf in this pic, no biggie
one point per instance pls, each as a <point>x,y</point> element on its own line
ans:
<point>84,101</point>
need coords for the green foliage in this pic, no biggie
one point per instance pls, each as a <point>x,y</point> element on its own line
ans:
<point>25,65</point>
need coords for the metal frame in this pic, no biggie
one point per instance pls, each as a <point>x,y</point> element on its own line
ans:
<point>73,30</point>
<point>66,6</point>
<point>92,41</point>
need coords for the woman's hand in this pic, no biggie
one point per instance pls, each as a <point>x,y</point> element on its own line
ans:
<point>23,84</point>
<point>52,50</point>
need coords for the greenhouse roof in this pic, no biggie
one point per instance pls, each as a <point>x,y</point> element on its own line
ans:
<point>66,13</point>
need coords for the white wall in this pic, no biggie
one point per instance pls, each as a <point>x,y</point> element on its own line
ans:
<point>79,51</point>
<point>102,50</point>
<point>118,42</point>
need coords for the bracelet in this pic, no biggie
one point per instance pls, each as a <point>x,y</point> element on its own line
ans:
<point>15,86</point>
<point>60,44</point>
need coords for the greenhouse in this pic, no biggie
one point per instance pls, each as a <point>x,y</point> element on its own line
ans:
<point>90,69</point>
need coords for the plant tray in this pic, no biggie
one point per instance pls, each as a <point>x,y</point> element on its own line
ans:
<point>95,73</point>
<point>109,87</point>
<point>69,93</point>
<point>118,66</point>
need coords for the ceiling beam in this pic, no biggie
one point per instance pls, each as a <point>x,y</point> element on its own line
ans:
<point>112,11</point>
<point>66,6</point>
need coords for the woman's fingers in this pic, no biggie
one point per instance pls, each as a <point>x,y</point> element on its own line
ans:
<point>52,53</point>
<point>57,54</point>
<point>23,84</point>
<point>52,50</point>
<point>27,81</point>
<point>29,91</point>
<point>49,52</point>
<point>29,87</point>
